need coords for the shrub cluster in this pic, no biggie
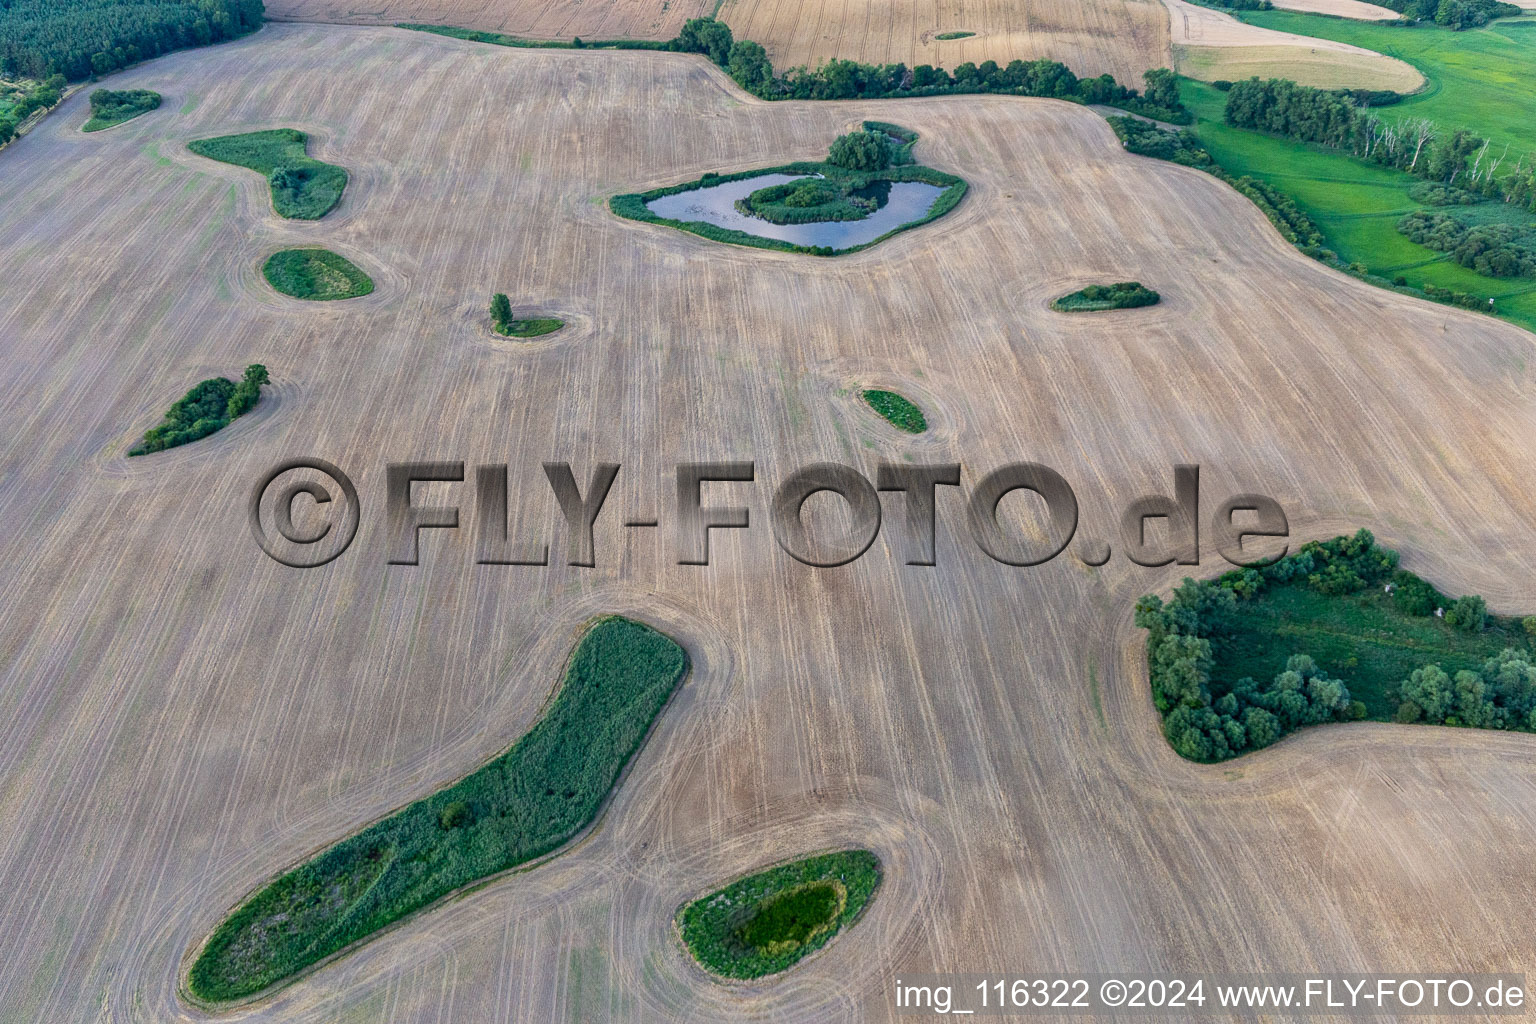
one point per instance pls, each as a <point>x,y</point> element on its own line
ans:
<point>1453,14</point>
<point>1493,250</point>
<point>1251,715</point>
<point>816,201</point>
<point>315,274</point>
<point>82,38</point>
<point>1147,139</point>
<point>1432,193</point>
<point>1097,297</point>
<point>208,407</point>
<point>766,922</point>
<point>524,804</point>
<point>110,107</point>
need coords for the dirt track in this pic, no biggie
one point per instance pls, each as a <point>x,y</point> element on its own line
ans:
<point>180,716</point>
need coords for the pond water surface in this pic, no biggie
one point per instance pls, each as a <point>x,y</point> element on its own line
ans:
<point>716,204</point>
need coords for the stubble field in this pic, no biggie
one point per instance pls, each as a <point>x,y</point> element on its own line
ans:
<point>181,717</point>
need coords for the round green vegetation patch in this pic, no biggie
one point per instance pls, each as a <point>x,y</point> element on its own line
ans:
<point>1096,297</point>
<point>767,922</point>
<point>317,274</point>
<point>901,413</point>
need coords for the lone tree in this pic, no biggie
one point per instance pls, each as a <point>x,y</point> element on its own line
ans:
<point>501,311</point>
<point>860,151</point>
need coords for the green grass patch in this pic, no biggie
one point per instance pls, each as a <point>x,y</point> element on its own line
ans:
<point>767,922</point>
<point>896,166</point>
<point>520,806</point>
<point>901,413</point>
<point>303,188</point>
<point>1355,205</point>
<point>534,327</point>
<point>110,107</point>
<point>207,408</point>
<point>316,274</point>
<point>1097,297</point>
<point>946,36</point>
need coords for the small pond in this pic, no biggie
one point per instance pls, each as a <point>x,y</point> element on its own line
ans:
<point>716,204</point>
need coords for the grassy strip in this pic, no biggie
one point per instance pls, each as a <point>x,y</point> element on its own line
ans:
<point>1334,632</point>
<point>947,36</point>
<point>303,188</point>
<point>1478,79</point>
<point>502,39</point>
<point>524,804</point>
<point>317,274</point>
<point>1097,297</point>
<point>208,407</point>
<point>901,413</point>
<point>766,922</point>
<point>532,328</point>
<point>109,107</point>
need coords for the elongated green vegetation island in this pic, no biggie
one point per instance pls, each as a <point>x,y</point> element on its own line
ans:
<point>1098,297</point>
<point>208,407</point>
<point>112,107</point>
<point>769,921</point>
<point>867,190</point>
<point>316,274</point>
<point>303,188</point>
<point>526,803</point>
<point>897,410</point>
<point>506,324</point>
<point>1332,633</point>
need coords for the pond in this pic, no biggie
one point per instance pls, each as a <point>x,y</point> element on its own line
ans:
<point>716,204</point>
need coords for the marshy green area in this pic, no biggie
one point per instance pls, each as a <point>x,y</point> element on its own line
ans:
<point>1333,633</point>
<point>316,274</point>
<point>768,921</point>
<point>947,36</point>
<point>899,411</point>
<point>112,107</point>
<point>1098,297</point>
<point>533,327</point>
<point>520,806</point>
<point>303,188</point>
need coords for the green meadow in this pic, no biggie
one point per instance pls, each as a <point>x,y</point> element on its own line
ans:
<point>1356,205</point>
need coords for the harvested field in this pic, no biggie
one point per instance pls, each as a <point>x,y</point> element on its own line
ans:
<point>1356,9</point>
<point>1212,45</point>
<point>181,717</point>
<point>1122,37</point>
<point>536,19</point>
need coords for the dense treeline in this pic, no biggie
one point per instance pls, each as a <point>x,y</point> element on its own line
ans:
<point>748,64</point>
<point>82,38</point>
<point>529,801</point>
<point>1335,119</point>
<point>1205,724</point>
